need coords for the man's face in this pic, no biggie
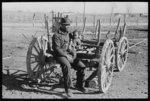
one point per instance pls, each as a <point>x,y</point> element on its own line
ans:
<point>65,27</point>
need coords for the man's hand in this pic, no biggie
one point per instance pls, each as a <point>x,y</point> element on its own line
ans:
<point>48,55</point>
<point>73,53</point>
<point>70,58</point>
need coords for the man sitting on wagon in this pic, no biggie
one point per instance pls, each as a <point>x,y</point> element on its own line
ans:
<point>67,57</point>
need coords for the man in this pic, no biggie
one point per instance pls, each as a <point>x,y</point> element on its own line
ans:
<point>67,57</point>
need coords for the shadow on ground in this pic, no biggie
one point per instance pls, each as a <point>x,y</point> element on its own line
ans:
<point>18,82</point>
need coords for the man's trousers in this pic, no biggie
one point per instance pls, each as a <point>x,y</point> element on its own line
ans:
<point>66,69</point>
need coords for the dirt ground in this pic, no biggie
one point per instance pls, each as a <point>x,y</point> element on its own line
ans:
<point>132,82</point>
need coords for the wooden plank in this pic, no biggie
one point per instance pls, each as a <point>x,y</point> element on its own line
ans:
<point>76,21</point>
<point>124,29</point>
<point>118,26</point>
<point>84,22</point>
<point>99,31</point>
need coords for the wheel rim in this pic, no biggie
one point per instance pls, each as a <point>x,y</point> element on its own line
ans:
<point>122,53</point>
<point>35,57</point>
<point>105,69</point>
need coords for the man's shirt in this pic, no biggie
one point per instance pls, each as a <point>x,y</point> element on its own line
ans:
<point>61,40</point>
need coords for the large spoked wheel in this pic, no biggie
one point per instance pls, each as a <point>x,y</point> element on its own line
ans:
<point>106,65</point>
<point>35,61</point>
<point>121,54</point>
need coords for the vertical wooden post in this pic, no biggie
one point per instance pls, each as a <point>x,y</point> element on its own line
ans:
<point>84,19</point>
<point>99,31</point>
<point>137,20</point>
<point>33,19</point>
<point>52,21</point>
<point>76,21</point>
<point>45,20</point>
<point>46,24</point>
<point>52,17</point>
<point>118,26</point>
<point>84,22</point>
<point>55,18</point>
<point>96,29</point>
<point>94,21</point>
<point>111,18</point>
<point>110,21</point>
<point>48,34</point>
<point>124,18</point>
<point>124,29</point>
<point>116,32</point>
<point>84,13</point>
<point>60,14</point>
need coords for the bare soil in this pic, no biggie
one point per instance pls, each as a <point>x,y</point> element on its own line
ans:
<point>132,82</point>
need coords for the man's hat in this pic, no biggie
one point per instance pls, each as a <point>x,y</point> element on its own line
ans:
<point>64,21</point>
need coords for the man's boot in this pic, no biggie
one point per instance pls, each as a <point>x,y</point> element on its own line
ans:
<point>79,83</point>
<point>86,84</point>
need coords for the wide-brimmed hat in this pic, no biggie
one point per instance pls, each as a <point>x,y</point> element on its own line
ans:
<point>65,21</point>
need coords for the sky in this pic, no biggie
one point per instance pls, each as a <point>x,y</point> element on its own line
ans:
<point>78,7</point>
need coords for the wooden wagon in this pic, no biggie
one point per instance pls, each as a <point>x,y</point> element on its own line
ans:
<point>104,55</point>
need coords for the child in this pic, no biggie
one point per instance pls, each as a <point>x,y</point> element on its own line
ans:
<point>75,40</point>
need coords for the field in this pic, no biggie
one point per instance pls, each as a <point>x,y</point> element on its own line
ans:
<point>132,82</point>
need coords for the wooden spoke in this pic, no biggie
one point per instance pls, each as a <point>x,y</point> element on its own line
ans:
<point>111,57</point>
<point>45,47</point>
<point>125,51</point>
<point>34,55</point>
<point>44,44</point>
<point>33,61</point>
<point>36,50</point>
<point>36,67</point>
<point>38,45</point>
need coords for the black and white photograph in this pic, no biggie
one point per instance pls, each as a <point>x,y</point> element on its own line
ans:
<point>74,50</point>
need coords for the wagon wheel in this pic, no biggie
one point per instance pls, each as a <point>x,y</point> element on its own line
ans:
<point>35,61</point>
<point>106,64</point>
<point>121,54</point>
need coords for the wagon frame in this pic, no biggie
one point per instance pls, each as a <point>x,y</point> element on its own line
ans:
<point>105,55</point>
